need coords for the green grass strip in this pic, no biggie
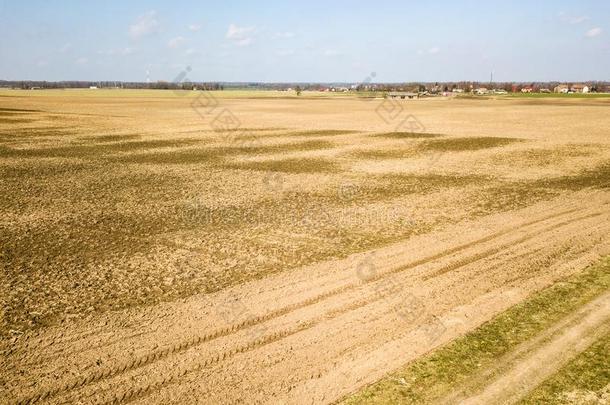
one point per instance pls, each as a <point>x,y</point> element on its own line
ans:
<point>435,375</point>
<point>584,380</point>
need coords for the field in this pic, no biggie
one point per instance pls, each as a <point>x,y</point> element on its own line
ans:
<point>566,96</point>
<point>261,247</point>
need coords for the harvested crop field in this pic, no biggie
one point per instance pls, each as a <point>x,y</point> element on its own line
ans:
<point>156,247</point>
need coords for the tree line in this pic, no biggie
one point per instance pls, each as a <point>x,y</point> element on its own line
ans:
<point>436,87</point>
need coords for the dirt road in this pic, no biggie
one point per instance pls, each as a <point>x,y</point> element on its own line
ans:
<point>537,360</point>
<point>316,333</point>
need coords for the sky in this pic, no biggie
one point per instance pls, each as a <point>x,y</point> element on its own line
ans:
<point>305,41</point>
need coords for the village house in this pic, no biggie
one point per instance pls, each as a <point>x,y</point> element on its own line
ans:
<point>580,88</point>
<point>562,88</point>
<point>402,94</point>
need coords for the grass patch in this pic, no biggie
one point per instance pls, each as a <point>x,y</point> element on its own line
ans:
<point>217,154</point>
<point>508,196</point>
<point>287,147</point>
<point>30,169</point>
<point>545,157</point>
<point>11,120</point>
<point>19,110</point>
<point>139,145</point>
<point>584,380</point>
<point>558,95</point>
<point>389,186</point>
<point>289,166</point>
<point>11,114</point>
<point>395,185</point>
<point>47,261</point>
<point>406,135</point>
<point>598,177</point>
<point>394,153</point>
<point>431,145</point>
<point>110,138</point>
<point>466,143</point>
<point>435,375</point>
<point>17,134</point>
<point>563,103</point>
<point>240,129</point>
<point>472,97</point>
<point>323,132</point>
<point>80,151</point>
<point>312,133</point>
<point>179,157</point>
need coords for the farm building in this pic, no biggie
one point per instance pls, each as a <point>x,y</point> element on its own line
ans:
<point>562,88</point>
<point>402,94</point>
<point>580,88</point>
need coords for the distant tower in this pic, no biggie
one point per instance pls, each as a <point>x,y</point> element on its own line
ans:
<point>147,76</point>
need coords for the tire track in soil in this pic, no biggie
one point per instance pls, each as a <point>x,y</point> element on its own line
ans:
<point>142,391</point>
<point>185,345</point>
<point>168,351</point>
<point>311,301</point>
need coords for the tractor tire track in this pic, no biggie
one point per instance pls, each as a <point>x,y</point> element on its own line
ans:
<point>185,345</point>
<point>296,306</point>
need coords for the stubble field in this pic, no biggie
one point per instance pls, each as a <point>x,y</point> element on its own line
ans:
<point>146,235</point>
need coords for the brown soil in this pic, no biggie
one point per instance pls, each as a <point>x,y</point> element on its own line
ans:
<point>146,256</point>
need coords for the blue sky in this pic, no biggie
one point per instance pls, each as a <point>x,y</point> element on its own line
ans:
<point>283,41</point>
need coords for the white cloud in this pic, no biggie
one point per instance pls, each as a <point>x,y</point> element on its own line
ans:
<point>176,42</point>
<point>145,24</point>
<point>82,61</point>
<point>191,52</point>
<point>593,32</point>
<point>235,32</point>
<point>240,36</point>
<point>578,19</point>
<point>330,52</point>
<point>194,27</point>
<point>572,19</point>
<point>65,47</point>
<point>42,63</point>
<point>285,35</point>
